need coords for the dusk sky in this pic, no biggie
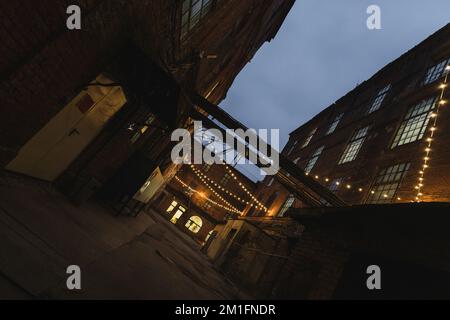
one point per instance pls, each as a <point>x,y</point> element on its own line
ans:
<point>322,51</point>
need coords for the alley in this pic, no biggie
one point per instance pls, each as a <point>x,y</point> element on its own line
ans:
<point>120,257</point>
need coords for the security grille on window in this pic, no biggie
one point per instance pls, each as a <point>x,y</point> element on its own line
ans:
<point>192,12</point>
<point>376,104</point>
<point>435,72</point>
<point>354,146</point>
<point>334,124</point>
<point>335,184</point>
<point>308,139</point>
<point>287,204</point>
<point>387,183</point>
<point>415,123</point>
<point>312,161</point>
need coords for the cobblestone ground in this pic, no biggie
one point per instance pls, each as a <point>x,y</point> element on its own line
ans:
<point>41,233</point>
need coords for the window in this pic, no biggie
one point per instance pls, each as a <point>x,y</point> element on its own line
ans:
<point>376,104</point>
<point>287,204</point>
<point>334,124</point>
<point>354,146</point>
<point>436,71</point>
<point>292,148</point>
<point>225,179</point>
<point>206,167</point>
<point>172,206</point>
<point>143,128</point>
<point>206,205</point>
<point>312,161</point>
<point>335,184</point>
<point>270,182</point>
<point>192,12</point>
<point>387,182</point>
<point>209,235</point>
<point>297,160</point>
<point>194,224</point>
<point>415,123</point>
<point>178,214</point>
<point>308,139</point>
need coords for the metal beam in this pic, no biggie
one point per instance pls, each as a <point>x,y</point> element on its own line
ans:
<point>288,169</point>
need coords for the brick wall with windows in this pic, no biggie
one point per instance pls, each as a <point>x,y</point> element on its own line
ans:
<point>383,123</point>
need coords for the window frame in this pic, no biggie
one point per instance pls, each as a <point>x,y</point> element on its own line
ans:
<point>408,121</point>
<point>333,126</point>
<point>377,102</point>
<point>431,76</point>
<point>308,139</point>
<point>187,8</point>
<point>287,204</point>
<point>356,138</point>
<point>313,159</point>
<point>383,183</point>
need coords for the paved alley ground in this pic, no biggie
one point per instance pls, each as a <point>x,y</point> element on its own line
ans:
<point>41,233</point>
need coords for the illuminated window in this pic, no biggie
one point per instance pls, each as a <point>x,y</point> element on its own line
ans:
<point>287,204</point>
<point>172,206</point>
<point>387,182</point>
<point>435,72</point>
<point>206,205</point>
<point>206,167</point>
<point>192,12</point>
<point>335,184</point>
<point>415,123</point>
<point>308,139</point>
<point>194,224</point>
<point>225,179</point>
<point>143,129</point>
<point>178,214</point>
<point>334,124</point>
<point>312,161</point>
<point>354,146</point>
<point>209,235</point>
<point>376,104</point>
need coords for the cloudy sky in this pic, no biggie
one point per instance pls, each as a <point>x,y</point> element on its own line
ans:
<point>322,51</point>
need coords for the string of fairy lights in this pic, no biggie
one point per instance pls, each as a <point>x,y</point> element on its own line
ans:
<point>229,208</point>
<point>254,202</point>
<point>434,116</point>
<point>426,160</point>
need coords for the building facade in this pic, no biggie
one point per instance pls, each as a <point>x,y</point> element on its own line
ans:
<point>200,197</point>
<point>386,140</point>
<point>91,110</point>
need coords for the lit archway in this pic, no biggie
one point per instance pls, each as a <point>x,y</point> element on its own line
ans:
<point>194,224</point>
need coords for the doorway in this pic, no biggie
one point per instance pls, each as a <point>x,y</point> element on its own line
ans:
<point>53,148</point>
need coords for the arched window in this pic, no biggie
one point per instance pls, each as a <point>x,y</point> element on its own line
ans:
<point>194,224</point>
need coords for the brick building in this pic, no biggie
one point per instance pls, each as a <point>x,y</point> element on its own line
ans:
<point>195,199</point>
<point>91,110</point>
<point>371,145</point>
<point>383,149</point>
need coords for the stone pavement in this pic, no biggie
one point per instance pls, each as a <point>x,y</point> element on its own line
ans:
<point>41,233</point>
